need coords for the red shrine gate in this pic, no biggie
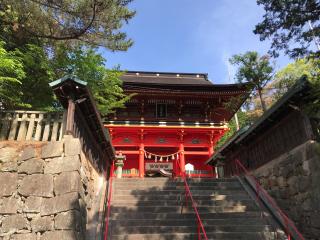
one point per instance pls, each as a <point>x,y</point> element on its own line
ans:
<point>171,118</point>
<point>149,148</point>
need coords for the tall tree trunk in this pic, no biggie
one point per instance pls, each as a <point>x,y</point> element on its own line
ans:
<point>263,104</point>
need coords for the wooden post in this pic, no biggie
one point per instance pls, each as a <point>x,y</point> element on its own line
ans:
<point>211,152</point>
<point>37,135</point>
<point>31,126</point>
<point>181,155</point>
<point>23,127</point>
<point>14,126</point>
<point>141,160</point>
<point>182,159</point>
<point>46,131</point>
<point>63,125</point>
<point>55,126</point>
<point>6,122</point>
<point>70,117</point>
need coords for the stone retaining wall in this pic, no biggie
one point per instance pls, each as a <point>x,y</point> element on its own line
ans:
<point>293,180</point>
<point>48,191</point>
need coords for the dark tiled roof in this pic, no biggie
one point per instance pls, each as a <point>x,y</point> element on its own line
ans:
<point>165,78</point>
<point>295,94</point>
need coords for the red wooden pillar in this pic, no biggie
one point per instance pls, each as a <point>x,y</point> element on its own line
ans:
<point>182,159</point>
<point>141,160</point>
<point>211,151</point>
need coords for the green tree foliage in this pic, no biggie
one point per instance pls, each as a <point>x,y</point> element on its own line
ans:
<point>93,22</point>
<point>254,69</point>
<point>243,119</point>
<point>313,99</point>
<point>108,92</point>
<point>11,75</point>
<point>89,66</point>
<point>287,24</point>
<point>47,37</point>
<point>290,74</point>
<point>35,85</point>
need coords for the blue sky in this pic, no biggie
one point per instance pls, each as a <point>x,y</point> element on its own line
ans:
<point>191,36</point>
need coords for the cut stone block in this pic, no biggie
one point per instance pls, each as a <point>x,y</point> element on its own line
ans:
<point>8,205</point>
<point>63,164</point>
<point>40,185</point>
<point>32,204</point>
<point>11,166</point>
<point>42,224</point>
<point>8,154</point>
<point>72,146</point>
<point>68,220</point>
<point>24,236</point>
<point>52,149</point>
<point>60,203</point>
<point>8,183</point>
<point>14,222</point>
<point>67,182</point>
<point>31,166</point>
<point>27,153</point>
<point>59,235</point>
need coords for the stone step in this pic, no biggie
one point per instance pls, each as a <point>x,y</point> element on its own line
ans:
<point>177,209</point>
<point>174,180</point>
<point>118,229</point>
<point>256,221</point>
<point>150,209</point>
<point>147,202</point>
<point>192,236</point>
<point>234,197</point>
<point>177,192</point>
<point>180,188</point>
<point>191,215</point>
<point>173,184</point>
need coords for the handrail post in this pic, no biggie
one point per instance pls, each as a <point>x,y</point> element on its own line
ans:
<point>287,230</point>
<point>198,229</point>
<point>111,175</point>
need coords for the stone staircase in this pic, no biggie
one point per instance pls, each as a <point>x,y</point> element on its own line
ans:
<point>151,208</point>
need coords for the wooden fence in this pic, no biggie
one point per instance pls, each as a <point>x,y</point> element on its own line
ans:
<point>32,125</point>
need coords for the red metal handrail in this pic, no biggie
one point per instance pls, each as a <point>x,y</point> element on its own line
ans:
<point>200,226</point>
<point>109,202</point>
<point>261,191</point>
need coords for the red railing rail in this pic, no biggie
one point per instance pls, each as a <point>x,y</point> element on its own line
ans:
<point>200,227</point>
<point>107,216</point>
<point>262,195</point>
